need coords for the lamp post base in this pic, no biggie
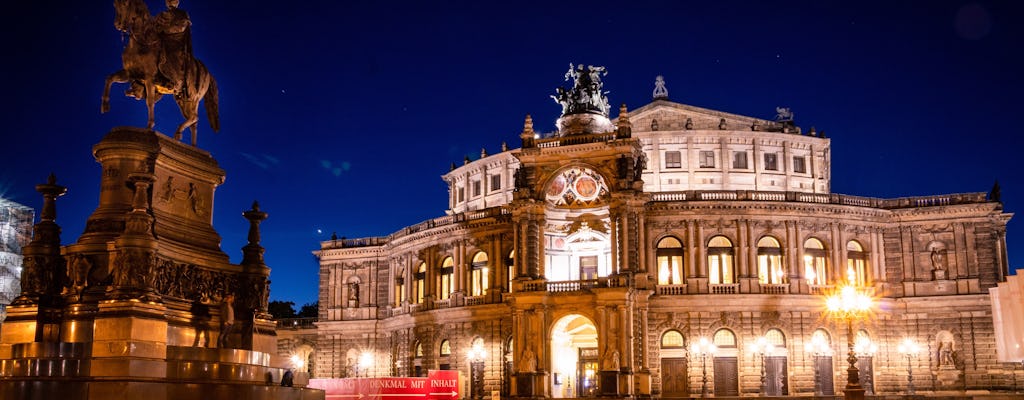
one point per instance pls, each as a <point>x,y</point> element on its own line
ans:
<point>853,393</point>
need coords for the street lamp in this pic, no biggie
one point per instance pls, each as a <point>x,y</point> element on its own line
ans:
<point>763,348</point>
<point>865,348</point>
<point>849,304</point>
<point>909,349</point>
<point>476,356</point>
<point>818,347</point>
<point>703,348</point>
<point>365,362</point>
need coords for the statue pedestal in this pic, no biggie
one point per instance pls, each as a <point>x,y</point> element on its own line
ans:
<point>947,377</point>
<point>609,383</point>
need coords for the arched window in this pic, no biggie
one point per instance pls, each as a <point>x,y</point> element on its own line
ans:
<point>770,269</point>
<point>815,270</point>
<point>672,340</point>
<point>444,279</point>
<point>856,264</point>
<point>670,261</point>
<point>419,350</point>
<point>399,287</point>
<point>720,266</point>
<point>421,277</point>
<point>446,348</point>
<point>479,275</point>
<point>821,336</point>
<point>776,338</point>
<point>724,338</point>
<point>510,265</point>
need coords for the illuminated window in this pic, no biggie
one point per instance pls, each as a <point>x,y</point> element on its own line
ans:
<point>815,270</point>
<point>444,279</point>
<point>799,165</point>
<point>399,288</point>
<point>446,348</point>
<point>419,350</point>
<point>724,338</point>
<point>495,182</point>
<point>670,261</point>
<point>510,264</point>
<point>739,160</point>
<point>771,162</point>
<point>770,269</point>
<point>421,277</point>
<point>856,264</point>
<point>720,267</point>
<point>775,337</point>
<point>821,336</point>
<point>672,340</point>
<point>707,159</point>
<point>479,275</point>
<point>673,159</point>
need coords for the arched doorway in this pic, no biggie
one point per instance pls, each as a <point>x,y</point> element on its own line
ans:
<point>574,357</point>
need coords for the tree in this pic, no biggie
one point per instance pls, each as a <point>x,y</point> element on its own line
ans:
<point>309,310</point>
<point>281,309</point>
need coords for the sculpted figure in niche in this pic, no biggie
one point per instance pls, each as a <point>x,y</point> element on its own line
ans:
<point>937,257</point>
<point>529,360</point>
<point>611,360</point>
<point>946,359</point>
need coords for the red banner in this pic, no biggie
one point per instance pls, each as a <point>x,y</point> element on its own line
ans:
<point>438,385</point>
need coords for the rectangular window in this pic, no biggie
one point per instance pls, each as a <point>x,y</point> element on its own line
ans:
<point>477,188</point>
<point>771,162</point>
<point>673,159</point>
<point>799,165</point>
<point>462,195</point>
<point>495,182</point>
<point>739,160</point>
<point>707,159</point>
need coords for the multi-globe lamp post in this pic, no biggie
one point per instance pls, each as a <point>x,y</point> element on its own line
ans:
<point>476,356</point>
<point>850,303</point>
<point>818,347</point>
<point>762,347</point>
<point>909,349</point>
<point>703,348</point>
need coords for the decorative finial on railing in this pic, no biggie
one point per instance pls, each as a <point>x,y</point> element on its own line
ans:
<point>528,135</point>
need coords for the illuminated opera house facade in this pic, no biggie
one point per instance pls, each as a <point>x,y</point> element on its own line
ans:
<point>596,259</point>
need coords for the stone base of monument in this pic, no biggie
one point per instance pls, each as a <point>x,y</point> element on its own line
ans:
<point>69,371</point>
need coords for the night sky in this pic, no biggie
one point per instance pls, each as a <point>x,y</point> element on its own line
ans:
<point>341,116</point>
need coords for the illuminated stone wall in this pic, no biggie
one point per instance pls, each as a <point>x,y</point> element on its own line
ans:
<point>15,232</point>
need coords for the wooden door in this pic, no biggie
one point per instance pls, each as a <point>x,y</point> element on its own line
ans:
<point>726,376</point>
<point>823,365</point>
<point>674,382</point>
<point>775,376</point>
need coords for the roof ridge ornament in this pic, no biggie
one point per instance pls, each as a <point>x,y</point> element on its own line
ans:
<point>660,91</point>
<point>586,95</point>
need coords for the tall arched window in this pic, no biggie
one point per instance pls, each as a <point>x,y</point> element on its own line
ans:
<point>769,261</point>
<point>421,278</point>
<point>444,279</point>
<point>479,275</point>
<point>446,348</point>
<point>670,261</point>
<point>510,266</point>
<point>815,270</point>
<point>399,287</point>
<point>856,264</point>
<point>720,265</point>
<point>776,338</point>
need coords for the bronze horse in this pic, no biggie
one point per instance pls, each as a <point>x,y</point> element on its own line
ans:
<point>140,58</point>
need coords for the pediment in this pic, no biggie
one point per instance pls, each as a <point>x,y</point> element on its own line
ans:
<point>672,116</point>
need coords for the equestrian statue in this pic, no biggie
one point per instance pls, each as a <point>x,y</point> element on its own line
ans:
<point>158,61</point>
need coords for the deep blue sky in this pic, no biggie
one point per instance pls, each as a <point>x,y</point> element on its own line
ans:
<point>341,116</point>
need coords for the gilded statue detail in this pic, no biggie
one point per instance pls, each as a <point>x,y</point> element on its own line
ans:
<point>158,61</point>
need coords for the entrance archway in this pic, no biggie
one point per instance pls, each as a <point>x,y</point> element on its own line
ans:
<point>574,357</point>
